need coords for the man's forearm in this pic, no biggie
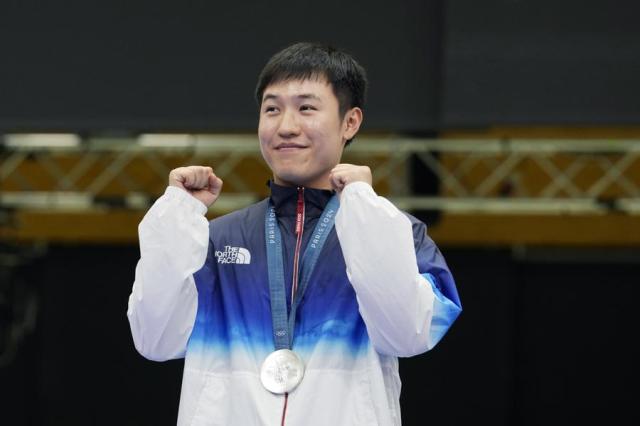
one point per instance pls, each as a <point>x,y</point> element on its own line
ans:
<point>395,300</point>
<point>174,240</point>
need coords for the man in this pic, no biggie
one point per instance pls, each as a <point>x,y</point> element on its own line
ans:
<point>283,317</point>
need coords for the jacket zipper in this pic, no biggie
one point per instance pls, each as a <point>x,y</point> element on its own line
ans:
<point>299,229</point>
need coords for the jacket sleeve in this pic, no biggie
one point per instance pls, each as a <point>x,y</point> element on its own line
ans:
<point>405,291</point>
<point>174,239</point>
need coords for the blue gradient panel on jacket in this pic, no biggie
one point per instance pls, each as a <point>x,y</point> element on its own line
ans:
<point>234,309</point>
<point>432,266</point>
<point>445,313</point>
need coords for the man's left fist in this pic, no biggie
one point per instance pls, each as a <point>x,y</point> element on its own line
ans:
<point>344,174</point>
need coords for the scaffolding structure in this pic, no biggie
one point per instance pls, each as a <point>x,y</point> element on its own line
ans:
<point>487,176</point>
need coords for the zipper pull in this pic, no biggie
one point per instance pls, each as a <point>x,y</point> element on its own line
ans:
<point>300,211</point>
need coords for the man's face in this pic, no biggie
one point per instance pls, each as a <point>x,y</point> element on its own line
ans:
<point>301,132</point>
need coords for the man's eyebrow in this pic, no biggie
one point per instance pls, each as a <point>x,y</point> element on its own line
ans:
<point>269,96</point>
<point>308,96</point>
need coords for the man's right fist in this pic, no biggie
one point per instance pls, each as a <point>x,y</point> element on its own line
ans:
<point>198,181</point>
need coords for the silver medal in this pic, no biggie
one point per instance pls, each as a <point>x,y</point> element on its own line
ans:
<point>281,371</point>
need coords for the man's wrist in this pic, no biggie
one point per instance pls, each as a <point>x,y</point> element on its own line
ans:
<point>184,197</point>
<point>358,187</point>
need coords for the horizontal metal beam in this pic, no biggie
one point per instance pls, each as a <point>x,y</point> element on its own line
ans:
<point>248,143</point>
<point>119,226</point>
<point>78,201</point>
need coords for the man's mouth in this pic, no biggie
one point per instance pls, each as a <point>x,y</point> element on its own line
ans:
<point>289,147</point>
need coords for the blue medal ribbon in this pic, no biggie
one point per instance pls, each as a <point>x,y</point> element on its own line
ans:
<point>283,325</point>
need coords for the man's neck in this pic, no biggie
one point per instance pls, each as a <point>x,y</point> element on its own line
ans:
<point>322,183</point>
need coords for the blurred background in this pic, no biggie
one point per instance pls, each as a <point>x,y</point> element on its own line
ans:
<point>511,127</point>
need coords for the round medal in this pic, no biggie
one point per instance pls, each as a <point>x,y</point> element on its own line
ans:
<point>281,371</point>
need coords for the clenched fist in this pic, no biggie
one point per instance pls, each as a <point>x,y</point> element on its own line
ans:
<point>344,174</point>
<point>198,181</point>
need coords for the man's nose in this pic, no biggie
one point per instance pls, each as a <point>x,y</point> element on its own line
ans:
<point>289,125</point>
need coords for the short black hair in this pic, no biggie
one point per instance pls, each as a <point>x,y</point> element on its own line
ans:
<point>303,61</point>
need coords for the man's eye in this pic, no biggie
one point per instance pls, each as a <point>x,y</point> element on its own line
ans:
<point>307,108</point>
<point>270,109</point>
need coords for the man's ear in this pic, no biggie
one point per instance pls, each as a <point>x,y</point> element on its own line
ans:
<point>351,123</point>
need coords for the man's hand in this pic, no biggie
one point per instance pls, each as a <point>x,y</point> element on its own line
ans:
<point>344,174</point>
<point>198,181</point>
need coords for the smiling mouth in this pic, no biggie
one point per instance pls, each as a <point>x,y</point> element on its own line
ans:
<point>289,146</point>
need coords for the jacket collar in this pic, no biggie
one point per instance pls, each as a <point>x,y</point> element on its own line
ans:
<point>285,198</point>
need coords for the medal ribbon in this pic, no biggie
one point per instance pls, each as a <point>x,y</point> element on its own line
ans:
<point>283,325</point>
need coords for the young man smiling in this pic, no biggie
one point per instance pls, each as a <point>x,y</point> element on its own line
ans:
<point>282,317</point>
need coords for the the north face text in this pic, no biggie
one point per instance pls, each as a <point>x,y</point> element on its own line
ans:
<point>233,255</point>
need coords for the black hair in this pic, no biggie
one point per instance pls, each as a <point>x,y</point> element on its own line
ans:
<point>303,61</point>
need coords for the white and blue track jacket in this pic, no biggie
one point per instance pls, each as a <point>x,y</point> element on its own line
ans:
<point>380,290</point>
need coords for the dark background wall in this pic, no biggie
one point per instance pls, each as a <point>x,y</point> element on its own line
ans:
<point>169,65</point>
<point>545,337</point>
<point>121,67</point>
<point>541,62</point>
<point>540,342</point>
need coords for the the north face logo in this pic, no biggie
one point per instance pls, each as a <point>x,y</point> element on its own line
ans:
<point>233,255</point>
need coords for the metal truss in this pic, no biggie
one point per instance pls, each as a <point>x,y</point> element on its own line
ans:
<point>519,176</point>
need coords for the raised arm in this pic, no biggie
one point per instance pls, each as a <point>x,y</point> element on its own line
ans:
<point>174,240</point>
<point>407,303</point>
